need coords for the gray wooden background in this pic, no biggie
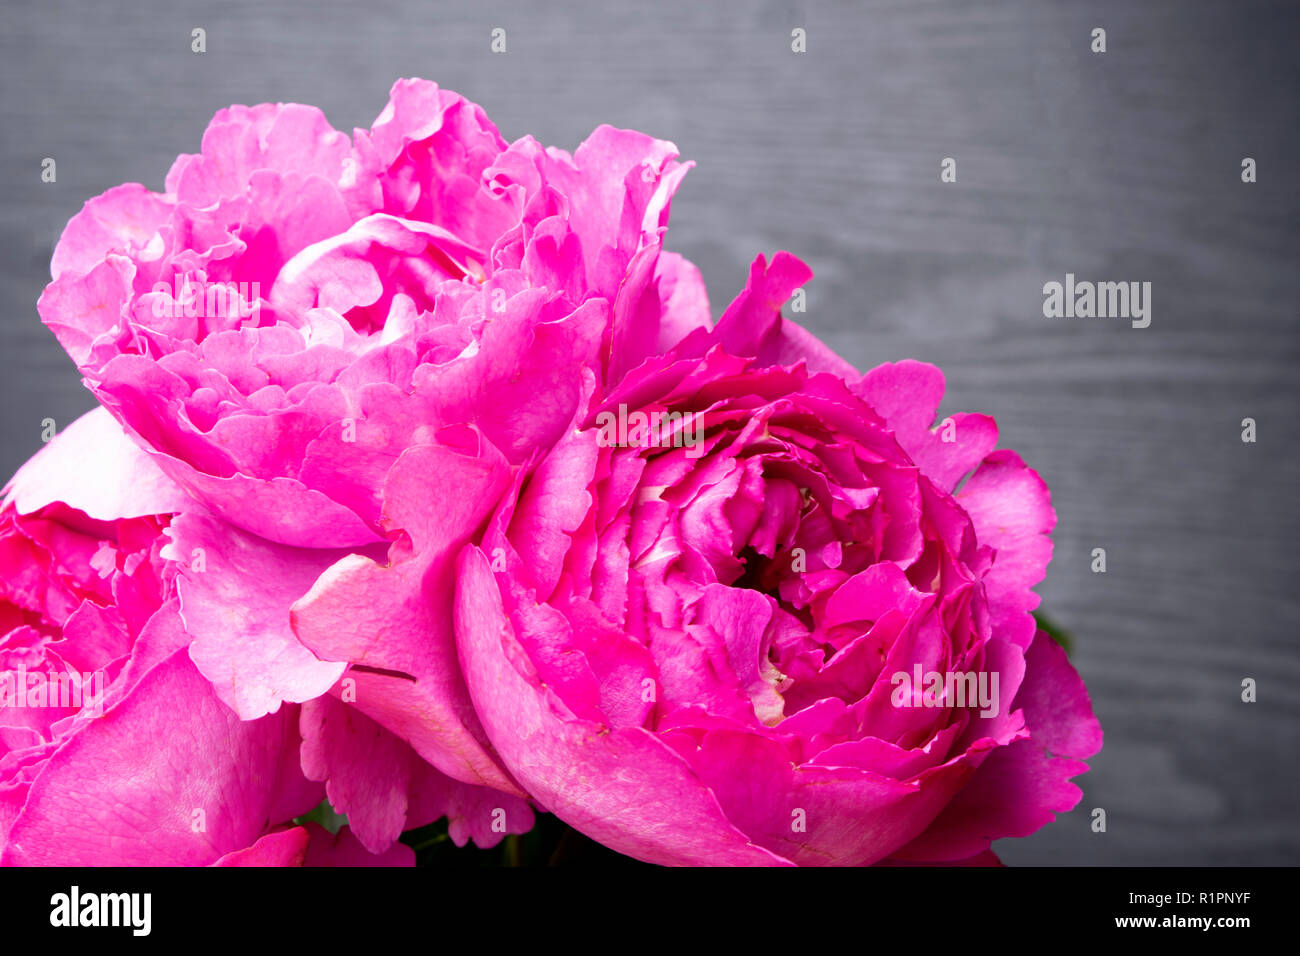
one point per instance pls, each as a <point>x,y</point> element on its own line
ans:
<point>1116,166</point>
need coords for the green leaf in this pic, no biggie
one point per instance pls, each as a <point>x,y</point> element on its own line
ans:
<point>323,814</point>
<point>1054,631</point>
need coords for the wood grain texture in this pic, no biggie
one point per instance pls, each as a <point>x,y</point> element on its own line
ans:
<point>1120,166</point>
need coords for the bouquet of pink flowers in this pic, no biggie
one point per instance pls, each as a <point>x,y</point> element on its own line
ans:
<point>425,488</point>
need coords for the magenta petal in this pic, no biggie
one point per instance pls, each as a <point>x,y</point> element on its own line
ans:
<point>684,299</point>
<point>282,848</point>
<point>1011,510</point>
<point>394,619</point>
<point>957,445</point>
<point>622,787</point>
<point>344,849</point>
<point>169,777</point>
<point>907,395</point>
<point>1022,787</point>
<point>1056,703</point>
<point>383,787</point>
<point>818,815</point>
<point>553,507</point>
<point>1016,792</point>
<point>753,325</point>
<point>313,845</point>
<point>481,814</point>
<point>368,772</point>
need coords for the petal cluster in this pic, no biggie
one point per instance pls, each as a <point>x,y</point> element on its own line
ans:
<point>423,483</point>
<point>708,636</point>
<point>299,306</point>
<point>116,750</point>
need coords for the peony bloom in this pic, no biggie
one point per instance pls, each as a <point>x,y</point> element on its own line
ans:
<point>299,307</point>
<point>422,482</point>
<point>303,319</point>
<point>706,635</point>
<point>114,750</point>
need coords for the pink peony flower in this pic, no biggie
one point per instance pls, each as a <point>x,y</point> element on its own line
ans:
<point>115,750</point>
<point>706,634</point>
<point>302,320</point>
<point>441,496</point>
<point>298,308</point>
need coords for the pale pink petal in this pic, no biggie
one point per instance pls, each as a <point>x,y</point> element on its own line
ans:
<point>123,482</point>
<point>235,592</point>
<point>392,621</point>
